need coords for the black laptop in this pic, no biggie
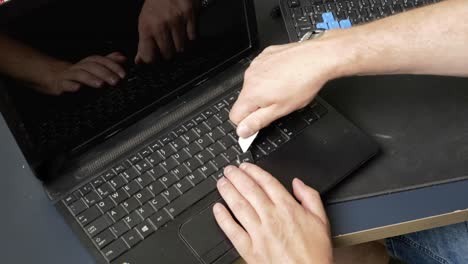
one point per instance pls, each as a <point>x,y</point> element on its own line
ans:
<point>133,168</point>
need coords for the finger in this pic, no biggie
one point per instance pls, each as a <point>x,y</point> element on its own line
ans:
<point>192,26</point>
<point>269,184</point>
<point>236,234</point>
<point>239,206</point>
<point>109,63</point>
<point>84,77</point>
<point>178,35</point>
<point>243,107</point>
<point>310,199</point>
<point>257,120</point>
<point>164,42</point>
<point>249,189</point>
<point>70,86</point>
<point>100,71</point>
<point>117,57</point>
<point>146,50</point>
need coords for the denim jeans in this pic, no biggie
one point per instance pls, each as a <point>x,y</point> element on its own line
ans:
<point>448,245</point>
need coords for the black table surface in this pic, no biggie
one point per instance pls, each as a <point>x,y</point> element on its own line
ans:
<point>31,231</point>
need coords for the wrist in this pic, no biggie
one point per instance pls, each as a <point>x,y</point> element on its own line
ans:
<point>52,69</point>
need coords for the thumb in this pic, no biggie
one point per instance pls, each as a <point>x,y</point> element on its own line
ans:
<point>310,199</point>
<point>257,120</point>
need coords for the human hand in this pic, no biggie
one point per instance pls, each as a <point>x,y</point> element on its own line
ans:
<point>93,71</point>
<point>274,227</point>
<point>283,79</point>
<point>164,26</point>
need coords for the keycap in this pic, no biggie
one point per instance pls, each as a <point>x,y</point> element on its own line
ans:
<point>167,151</point>
<point>88,215</point>
<point>230,154</point>
<point>180,171</point>
<point>132,219</point>
<point>119,228</point>
<point>320,110</point>
<point>145,229</point>
<point>167,138</point>
<point>204,156</point>
<point>169,164</point>
<point>191,197</point>
<point>158,171</point>
<point>193,148</point>
<point>156,145</point>
<point>117,213</point>
<point>333,25</point>
<point>160,218</point>
<point>146,210</point>
<point>212,122</point>
<point>199,118</point>
<point>168,179</point>
<point>145,152</point>
<point>155,158</point>
<point>181,156</point>
<point>109,174</point>
<point>178,143</point>
<point>114,250</point>
<point>86,189</point>
<point>131,204</point>
<point>156,187</point>
<point>134,159</point>
<point>266,146</point>
<point>220,105</point>
<point>180,130</point>
<point>195,177</point>
<point>193,163</point>
<point>209,112</point>
<point>245,157</point>
<point>92,198</point>
<point>328,17</point>
<point>119,196</point>
<point>223,115</point>
<point>218,175</point>
<point>98,225</point>
<point>294,3</point>
<point>143,166</point>
<point>292,126</point>
<point>190,136</point>
<point>105,189</point>
<point>118,181</point>
<point>145,179</point>
<point>130,174</point>
<point>227,127</point>
<point>207,170</point>
<point>322,26</point>
<point>204,141</point>
<point>184,185</point>
<point>216,134</point>
<point>143,196</point>
<point>132,238</point>
<point>158,202</point>
<point>216,148</point>
<point>171,193</point>
<point>106,204</point>
<point>189,124</point>
<point>201,129</point>
<point>70,199</point>
<point>227,141</point>
<point>104,238</point>
<point>132,187</point>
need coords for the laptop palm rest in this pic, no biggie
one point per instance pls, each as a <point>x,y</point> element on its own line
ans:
<point>203,235</point>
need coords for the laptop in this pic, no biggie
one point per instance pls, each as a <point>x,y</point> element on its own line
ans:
<point>133,168</point>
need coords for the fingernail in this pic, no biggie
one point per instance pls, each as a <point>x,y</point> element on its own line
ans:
<point>217,208</point>
<point>113,81</point>
<point>122,74</point>
<point>301,183</point>
<point>244,131</point>
<point>221,182</point>
<point>228,169</point>
<point>243,166</point>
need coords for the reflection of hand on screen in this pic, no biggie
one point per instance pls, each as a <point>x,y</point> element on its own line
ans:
<point>164,28</point>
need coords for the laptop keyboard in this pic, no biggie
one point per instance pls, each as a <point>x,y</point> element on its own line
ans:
<point>140,195</point>
<point>331,14</point>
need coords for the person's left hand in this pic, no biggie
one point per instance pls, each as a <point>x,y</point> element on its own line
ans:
<point>164,27</point>
<point>274,227</point>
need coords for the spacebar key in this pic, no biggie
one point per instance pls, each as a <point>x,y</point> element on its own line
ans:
<point>191,197</point>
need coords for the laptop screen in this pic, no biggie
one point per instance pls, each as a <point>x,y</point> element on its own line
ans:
<point>75,31</point>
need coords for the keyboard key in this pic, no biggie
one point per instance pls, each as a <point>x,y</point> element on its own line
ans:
<point>168,180</point>
<point>108,175</point>
<point>184,185</point>
<point>201,129</point>
<point>106,204</point>
<point>180,131</point>
<point>105,189</point>
<point>231,99</point>
<point>199,118</point>
<point>292,126</point>
<point>156,187</point>
<point>328,17</point>
<point>227,127</point>
<point>117,213</point>
<point>145,179</point>
<point>209,112</point>
<point>190,136</point>
<point>216,148</point>
<point>294,3</point>
<point>98,225</point>
<point>119,196</point>
<point>144,195</point>
<point>207,170</point>
<point>104,238</point>
<point>145,152</point>
<point>145,229</point>
<point>171,193</point>
<point>216,134</point>
<point>114,250</point>
<point>158,171</point>
<point>119,228</point>
<point>204,141</point>
<point>158,202</point>
<point>132,219</point>
<point>155,158</point>
<point>193,148</point>
<point>204,156</point>
<point>245,157</point>
<point>178,144</point>
<point>132,188</point>
<point>160,218</point>
<point>134,159</point>
<point>181,156</point>
<point>320,110</point>
<point>218,175</point>
<point>143,166</point>
<point>122,167</point>
<point>167,151</point>
<point>132,238</point>
<point>212,122</point>
<point>266,146</point>
<point>146,211</point>
<point>189,124</point>
<point>131,204</point>
<point>180,171</point>
<point>231,154</point>
<point>333,25</point>
<point>89,215</point>
<point>70,199</point>
<point>322,26</point>
<point>223,115</point>
<point>196,177</point>
<point>156,145</point>
<point>118,181</point>
<point>130,174</point>
<point>167,138</point>
<point>227,141</point>
<point>221,105</point>
<point>220,162</point>
<point>191,197</point>
<point>169,164</point>
<point>193,164</point>
<point>92,198</point>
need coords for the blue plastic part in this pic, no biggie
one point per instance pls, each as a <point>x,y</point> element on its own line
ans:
<point>333,25</point>
<point>328,17</point>
<point>322,26</point>
<point>345,23</point>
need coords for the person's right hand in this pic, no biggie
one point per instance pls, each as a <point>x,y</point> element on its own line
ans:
<point>93,71</point>
<point>283,79</point>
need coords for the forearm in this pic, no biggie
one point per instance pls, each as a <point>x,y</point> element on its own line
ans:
<point>25,63</point>
<point>428,40</point>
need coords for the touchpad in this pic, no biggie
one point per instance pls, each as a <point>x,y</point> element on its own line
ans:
<point>203,235</point>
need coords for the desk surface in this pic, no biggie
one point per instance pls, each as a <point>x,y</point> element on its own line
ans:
<point>31,231</point>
